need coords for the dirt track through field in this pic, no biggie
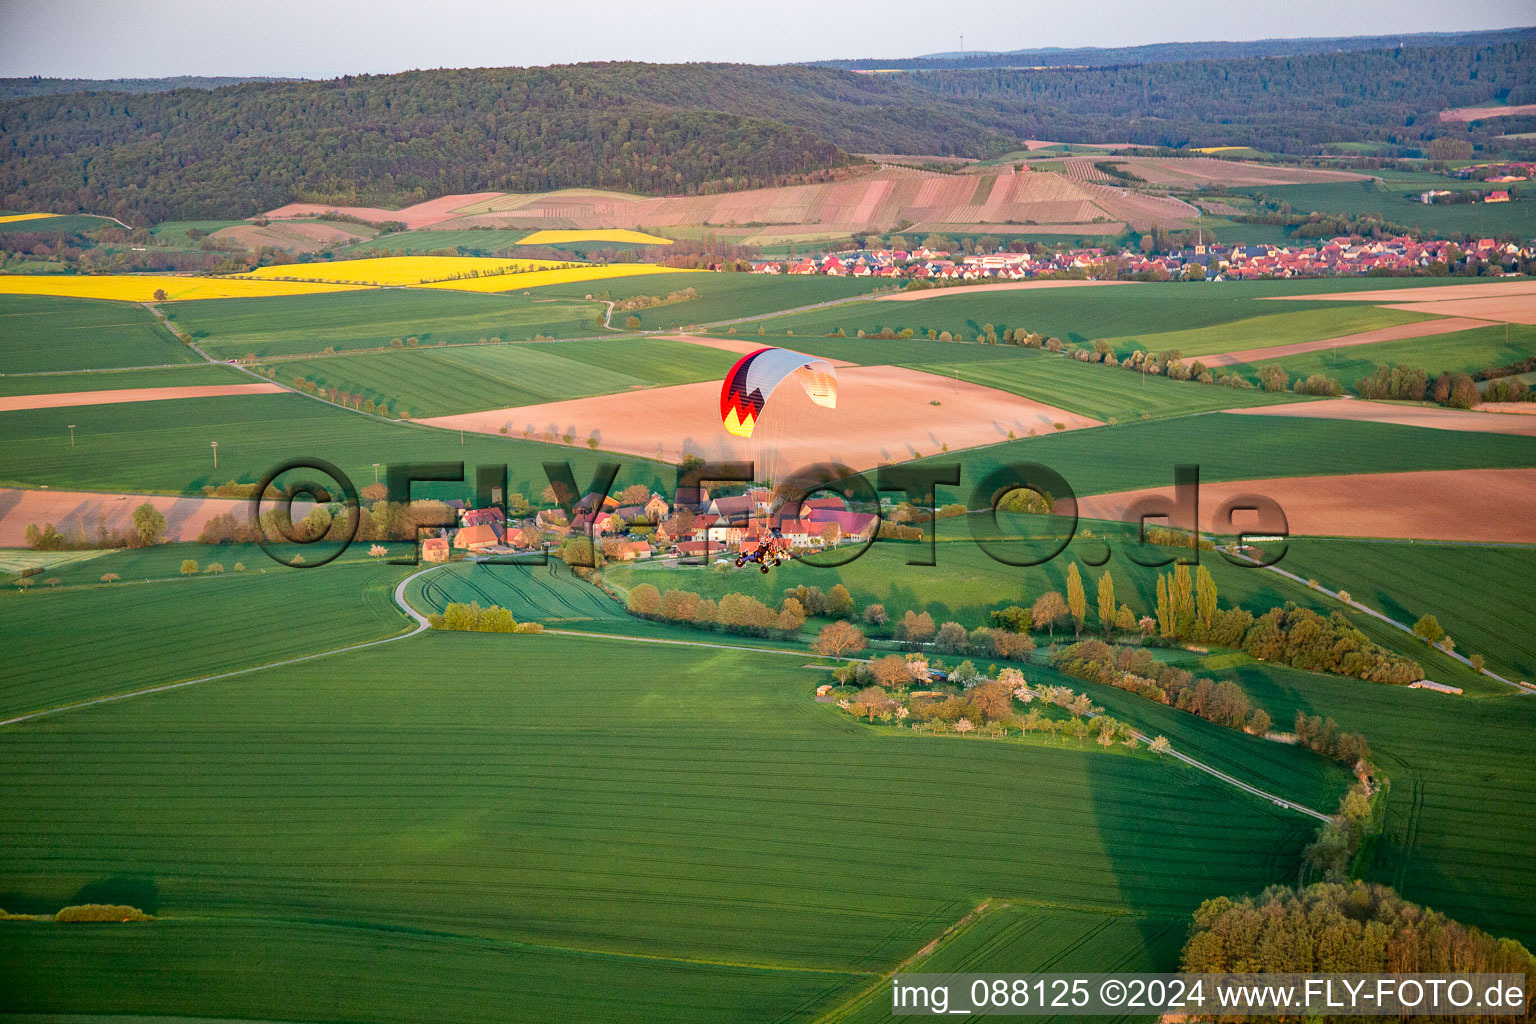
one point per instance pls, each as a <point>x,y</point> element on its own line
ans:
<point>1406,415</point>
<point>885,414</point>
<point>1402,332</point>
<point>1010,286</point>
<point>61,400</point>
<point>1487,505</point>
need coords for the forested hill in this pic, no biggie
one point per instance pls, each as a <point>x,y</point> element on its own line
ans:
<point>11,88</point>
<point>1163,53</point>
<point>390,140</point>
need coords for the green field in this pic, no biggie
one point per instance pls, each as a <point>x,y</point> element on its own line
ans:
<point>468,242</point>
<point>42,334</point>
<point>173,233</point>
<point>1461,352</point>
<point>1241,447</point>
<point>67,223</point>
<point>191,375</point>
<point>163,447</point>
<point>533,593</point>
<point>721,296</point>
<point>1272,327</point>
<point>297,324</point>
<point>1030,938</point>
<point>436,382</point>
<point>165,627</point>
<point>1485,597</point>
<point>1398,202</point>
<point>1458,814</point>
<point>1125,311</point>
<point>1099,391</point>
<point>611,828</point>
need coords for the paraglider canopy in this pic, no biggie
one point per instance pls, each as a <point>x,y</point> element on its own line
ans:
<point>752,381</point>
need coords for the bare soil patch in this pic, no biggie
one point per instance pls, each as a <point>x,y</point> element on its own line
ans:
<point>78,513</point>
<point>885,414</point>
<point>1402,332</point>
<point>1440,293</point>
<point>1465,114</point>
<point>1432,505</point>
<point>433,211</point>
<point>1510,309</point>
<point>1007,286</point>
<point>1407,415</point>
<point>71,398</point>
<point>295,235</point>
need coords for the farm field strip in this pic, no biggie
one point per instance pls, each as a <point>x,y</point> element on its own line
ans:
<point>40,334</point>
<point>436,382</point>
<point>187,375</point>
<point>1401,332</point>
<point>1428,505</point>
<point>374,319</point>
<point>146,287</point>
<point>872,425</point>
<point>59,400</point>
<point>1464,351</point>
<point>1402,413</point>
<point>1102,392</point>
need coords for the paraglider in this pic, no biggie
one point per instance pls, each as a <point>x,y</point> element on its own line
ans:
<point>752,381</point>
<point>749,410</point>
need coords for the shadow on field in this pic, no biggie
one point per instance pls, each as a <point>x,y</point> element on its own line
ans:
<point>133,890</point>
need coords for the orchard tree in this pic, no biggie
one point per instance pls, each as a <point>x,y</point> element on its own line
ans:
<point>838,639</point>
<point>148,524</point>
<point>1049,609</point>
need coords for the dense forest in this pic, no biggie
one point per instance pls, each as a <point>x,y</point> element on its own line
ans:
<point>395,139</point>
<point>37,85</point>
<point>1161,53</point>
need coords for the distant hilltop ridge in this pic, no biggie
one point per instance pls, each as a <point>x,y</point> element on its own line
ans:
<point>1162,53</point>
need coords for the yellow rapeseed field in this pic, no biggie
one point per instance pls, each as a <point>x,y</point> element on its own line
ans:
<point>142,288</point>
<point>12,217</point>
<point>564,275</point>
<point>555,237</point>
<point>397,270</point>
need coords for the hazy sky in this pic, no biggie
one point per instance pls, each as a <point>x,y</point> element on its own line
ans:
<point>324,38</point>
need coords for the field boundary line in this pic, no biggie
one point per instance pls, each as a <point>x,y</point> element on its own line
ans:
<point>421,625</point>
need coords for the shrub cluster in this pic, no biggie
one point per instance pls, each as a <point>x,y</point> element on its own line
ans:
<point>471,618</point>
<point>1304,639</point>
<point>1136,670</point>
<point>733,613</point>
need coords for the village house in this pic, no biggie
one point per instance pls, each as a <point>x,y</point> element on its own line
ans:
<point>477,538</point>
<point>434,549</point>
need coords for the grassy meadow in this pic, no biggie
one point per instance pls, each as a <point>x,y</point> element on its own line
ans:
<point>44,334</point>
